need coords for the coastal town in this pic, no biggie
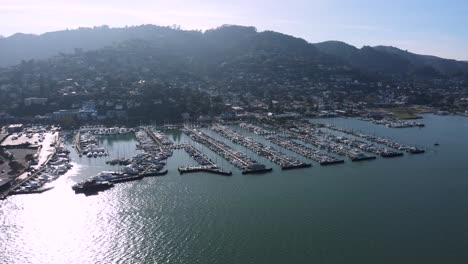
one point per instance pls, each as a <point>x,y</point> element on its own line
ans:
<point>233,132</point>
<point>255,111</point>
<point>120,85</point>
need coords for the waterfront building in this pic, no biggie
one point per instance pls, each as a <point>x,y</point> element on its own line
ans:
<point>35,101</point>
<point>15,128</point>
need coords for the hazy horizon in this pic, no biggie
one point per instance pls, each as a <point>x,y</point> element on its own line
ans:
<point>423,27</point>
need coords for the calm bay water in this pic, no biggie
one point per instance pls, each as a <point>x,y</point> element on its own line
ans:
<point>412,209</point>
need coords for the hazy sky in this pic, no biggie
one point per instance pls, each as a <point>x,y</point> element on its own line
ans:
<point>422,26</point>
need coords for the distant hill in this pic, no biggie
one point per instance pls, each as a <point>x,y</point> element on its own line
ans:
<point>228,45</point>
<point>20,46</point>
<point>391,60</point>
<point>445,66</point>
<point>367,58</point>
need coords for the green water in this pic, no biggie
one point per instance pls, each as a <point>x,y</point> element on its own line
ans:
<point>412,209</point>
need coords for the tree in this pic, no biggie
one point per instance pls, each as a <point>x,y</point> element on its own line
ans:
<point>15,166</point>
<point>68,122</point>
<point>29,157</point>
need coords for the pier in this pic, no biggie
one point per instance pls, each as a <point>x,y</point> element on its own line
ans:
<point>102,130</point>
<point>344,145</point>
<point>87,144</point>
<point>379,140</point>
<point>153,137</point>
<point>160,139</point>
<point>256,129</point>
<point>315,155</point>
<point>394,123</point>
<point>270,153</point>
<point>236,158</point>
<point>364,146</point>
<point>152,155</point>
<point>308,134</point>
<point>205,164</point>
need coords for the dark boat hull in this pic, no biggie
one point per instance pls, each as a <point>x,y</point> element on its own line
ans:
<point>161,173</point>
<point>257,171</point>
<point>93,189</point>
<point>327,163</point>
<point>224,173</point>
<point>296,167</point>
<point>391,155</point>
<point>363,158</point>
<point>126,179</point>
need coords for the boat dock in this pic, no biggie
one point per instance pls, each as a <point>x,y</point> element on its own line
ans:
<point>256,129</point>
<point>155,139</point>
<point>236,158</point>
<point>315,155</point>
<point>379,140</point>
<point>394,123</point>
<point>205,164</point>
<point>207,169</point>
<point>308,135</point>
<point>341,146</point>
<point>361,145</point>
<point>87,144</point>
<point>102,130</point>
<point>270,153</point>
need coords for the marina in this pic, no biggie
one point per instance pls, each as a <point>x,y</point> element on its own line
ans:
<point>284,161</point>
<point>361,145</point>
<point>394,123</point>
<point>315,155</point>
<point>148,162</point>
<point>151,159</point>
<point>86,144</point>
<point>155,148</point>
<point>37,179</point>
<point>318,139</point>
<point>379,140</point>
<point>236,158</point>
<point>341,145</point>
<point>329,200</point>
<point>45,160</point>
<point>339,149</point>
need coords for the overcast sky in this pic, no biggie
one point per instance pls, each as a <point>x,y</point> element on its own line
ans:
<point>422,26</point>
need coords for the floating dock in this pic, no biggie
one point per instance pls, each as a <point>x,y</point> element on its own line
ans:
<point>379,140</point>
<point>205,164</point>
<point>206,169</point>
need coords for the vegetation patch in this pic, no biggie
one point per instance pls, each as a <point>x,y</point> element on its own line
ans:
<point>404,113</point>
